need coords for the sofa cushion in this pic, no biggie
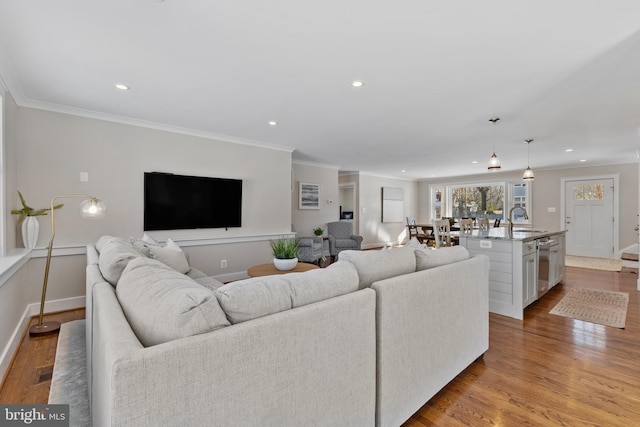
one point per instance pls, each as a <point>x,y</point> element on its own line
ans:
<point>316,285</point>
<point>115,254</point>
<point>429,258</point>
<point>260,296</point>
<point>162,305</point>
<point>209,282</point>
<point>379,265</point>
<point>256,297</point>
<point>172,255</point>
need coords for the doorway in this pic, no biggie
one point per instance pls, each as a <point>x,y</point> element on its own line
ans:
<point>590,211</point>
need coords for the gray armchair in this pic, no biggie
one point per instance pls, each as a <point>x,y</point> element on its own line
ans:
<point>341,237</point>
<point>310,249</point>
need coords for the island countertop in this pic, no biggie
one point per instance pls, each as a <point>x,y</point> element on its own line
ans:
<point>502,233</point>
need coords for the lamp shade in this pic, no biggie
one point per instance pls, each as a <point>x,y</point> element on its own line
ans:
<point>93,208</point>
<point>528,174</point>
<point>494,163</point>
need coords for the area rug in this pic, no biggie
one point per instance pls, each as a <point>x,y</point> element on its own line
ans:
<point>591,305</point>
<point>69,381</point>
<point>593,263</point>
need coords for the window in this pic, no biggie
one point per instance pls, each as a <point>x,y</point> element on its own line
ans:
<point>588,192</point>
<point>521,198</point>
<point>468,201</point>
<point>480,200</point>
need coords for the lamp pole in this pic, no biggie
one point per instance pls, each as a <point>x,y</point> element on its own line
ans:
<point>95,208</point>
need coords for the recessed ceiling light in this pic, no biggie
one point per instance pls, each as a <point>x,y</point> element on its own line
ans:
<point>583,160</point>
<point>474,162</point>
<point>357,83</point>
<point>273,123</point>
<point>121,86</point>
<point>568,150</point>
<point>403,171</point>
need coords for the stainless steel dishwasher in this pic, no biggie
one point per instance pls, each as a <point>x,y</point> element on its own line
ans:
<point>544,271</point>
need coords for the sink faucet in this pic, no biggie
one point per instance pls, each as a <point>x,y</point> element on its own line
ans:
<point>526,216</point>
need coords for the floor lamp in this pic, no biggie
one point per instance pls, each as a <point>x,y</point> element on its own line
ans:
<point>91,207</point>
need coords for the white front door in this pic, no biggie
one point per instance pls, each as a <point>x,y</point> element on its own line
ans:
<point>589,217</point>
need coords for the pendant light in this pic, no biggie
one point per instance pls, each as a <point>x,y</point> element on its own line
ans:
<point>528,173</point>
<point>494,162</point>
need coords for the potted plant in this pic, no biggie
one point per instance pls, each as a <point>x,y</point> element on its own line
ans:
<point>285,253</point>
<point>30,225</point>
<point>318,231</point>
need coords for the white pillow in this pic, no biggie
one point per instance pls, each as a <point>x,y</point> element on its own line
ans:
<point>171,255</point>
<point>142,245</point>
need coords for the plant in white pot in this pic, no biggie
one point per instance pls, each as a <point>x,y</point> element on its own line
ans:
<point>30,225</point>
<point>285,253</point>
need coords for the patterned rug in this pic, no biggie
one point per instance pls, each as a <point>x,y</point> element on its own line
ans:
<point>591,305</point>
<point>593,263</point>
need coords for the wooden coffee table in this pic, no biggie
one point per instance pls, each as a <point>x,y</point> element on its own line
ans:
<point>270,269</point>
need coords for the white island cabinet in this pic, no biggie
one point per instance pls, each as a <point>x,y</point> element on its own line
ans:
<point>514,272</point>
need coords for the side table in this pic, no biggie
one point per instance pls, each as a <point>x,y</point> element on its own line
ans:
<point>270,269</point>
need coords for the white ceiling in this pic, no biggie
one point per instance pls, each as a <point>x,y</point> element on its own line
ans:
<point>565,73</point>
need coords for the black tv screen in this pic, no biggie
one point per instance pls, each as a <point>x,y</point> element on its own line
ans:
<point>176,202</point>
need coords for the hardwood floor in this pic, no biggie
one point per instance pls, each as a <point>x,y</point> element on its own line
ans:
<point>549,370</point>
<point>29,378</point>
<point>544,371</point>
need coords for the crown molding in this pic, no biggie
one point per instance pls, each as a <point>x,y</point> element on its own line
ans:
<point>114,118</point>
<point>319,165</point>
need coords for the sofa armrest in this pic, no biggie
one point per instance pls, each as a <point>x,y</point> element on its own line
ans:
<point>357,238</point>
<point>309,241</point>
<point>431,325</point>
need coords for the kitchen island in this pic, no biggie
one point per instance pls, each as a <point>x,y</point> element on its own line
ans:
<point>525,264</point>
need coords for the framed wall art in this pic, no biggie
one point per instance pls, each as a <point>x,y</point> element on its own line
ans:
<point>309,196</point>
<point>392,204</point>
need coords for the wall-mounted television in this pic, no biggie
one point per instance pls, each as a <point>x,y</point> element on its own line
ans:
<point>177,202</point>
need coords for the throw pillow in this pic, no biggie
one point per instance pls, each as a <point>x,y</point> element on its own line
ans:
<point>115,254</point>
<point>162,305</point>
<point>172,255</point>
<point>429,258</point>
<point>142,245</point>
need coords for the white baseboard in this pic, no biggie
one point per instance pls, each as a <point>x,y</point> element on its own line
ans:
<point>57,305</point>
<point>30,311</point>
<point>13,344</point>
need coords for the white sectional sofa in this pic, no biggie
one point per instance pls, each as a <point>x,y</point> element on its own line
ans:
<point>364,342</point>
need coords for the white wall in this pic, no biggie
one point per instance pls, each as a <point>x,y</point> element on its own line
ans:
<point>54,148</point>
<point>305,220</point>
<point>547,189</point>
<point>371,228</point>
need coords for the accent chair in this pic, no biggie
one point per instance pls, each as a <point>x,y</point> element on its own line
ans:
<point>341,238</point>
<point>310,249</point>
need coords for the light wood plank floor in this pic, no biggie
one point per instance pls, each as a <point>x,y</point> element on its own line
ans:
<point>544,371</point>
